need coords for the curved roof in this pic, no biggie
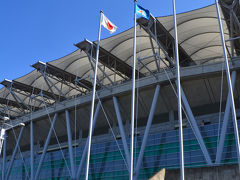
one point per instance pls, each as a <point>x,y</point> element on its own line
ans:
<point>198,34</point>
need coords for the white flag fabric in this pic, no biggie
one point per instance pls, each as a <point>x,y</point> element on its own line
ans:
<point>108,24</point>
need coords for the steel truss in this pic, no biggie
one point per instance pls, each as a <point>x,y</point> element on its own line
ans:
<point>165,43</point>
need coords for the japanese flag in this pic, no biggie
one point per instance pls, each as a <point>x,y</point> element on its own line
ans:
<point>108,24</point>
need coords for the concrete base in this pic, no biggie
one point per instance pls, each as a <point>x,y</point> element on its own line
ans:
<point>227,172</point>
<point>159,176</point>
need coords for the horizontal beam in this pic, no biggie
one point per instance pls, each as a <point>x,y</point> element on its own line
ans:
<point>186,73</point>
<point>63,75</point>
<point>27,88</point>
<point>12,103</point>
<point>165,38</point>
<point>108,59</point>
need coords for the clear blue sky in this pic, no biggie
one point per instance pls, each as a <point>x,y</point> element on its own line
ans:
<point>46,30</point>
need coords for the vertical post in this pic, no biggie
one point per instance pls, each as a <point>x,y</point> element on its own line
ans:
<point>93,99</point>
<point>86,146</point>
<point>231,32</point>
<point>229,84</point>
<point>4,155</point>
<point>45,147</point>
<point>15,152</point>
<point>31,150</point>
<point>145,137</point>
<point>179,93</point>
<point>120,124</point>
<point>2,133</point>
<point>70,148</point>
<point>225,123</point>
<point>133,93</point>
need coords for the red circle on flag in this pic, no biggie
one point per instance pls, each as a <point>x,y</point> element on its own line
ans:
<point>109,26</point>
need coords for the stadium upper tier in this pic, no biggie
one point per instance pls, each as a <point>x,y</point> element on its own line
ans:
<point>56,84</point>
<point>61,79</point>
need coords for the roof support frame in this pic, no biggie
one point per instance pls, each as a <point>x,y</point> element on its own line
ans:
<point>48,80</point>
<point>90,59</point>
<point>62,76</point>
<point>105,57</point>
<point>229,10</point>
<point>160,46</point>
<point>194,71</point>
<point>18,100</point>
<point>8,110</point>
<point>90,56</point>
<point>99,67</point>
<point>154,53</point>
<point>164,40</point>
<point>49,86</point>
<point>139,61</point>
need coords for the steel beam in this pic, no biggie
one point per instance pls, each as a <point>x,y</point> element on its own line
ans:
<point>235,124</point>
<point>31,150</point>
<point>108,59</point>
<point>70,148</point>
<point>2,135</point>
<point>26,88</point>
<point>14,152</point>
<point>164,39</point>
<point>4,156</point>
<point>122,132</point>
<point>186,73</point>
<point>61,74</point>
<point>195,129</point>
<point>45,146</point>
<point>145,137</point>
<point>84,153</point>
<point>225,123</point>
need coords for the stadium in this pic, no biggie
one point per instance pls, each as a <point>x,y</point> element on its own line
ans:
<point>45,114</point>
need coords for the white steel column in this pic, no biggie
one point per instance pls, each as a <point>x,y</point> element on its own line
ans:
<point>84,153</point>
<point>229,84</point>
<point>31,150</point>
<point>145,137</point>
<point>225,123</point>
<point>93,100</point>
<point>2,134</point>
<point>14,152</point>
<point>122,132</point>
<point>133,95</point>
<point>195,129</point>
<point>70,148</point>
<point>45,147</point>
<point>179,93</point>
<point>4,156</point>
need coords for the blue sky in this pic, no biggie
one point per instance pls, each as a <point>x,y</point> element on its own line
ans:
<point>46,30</point>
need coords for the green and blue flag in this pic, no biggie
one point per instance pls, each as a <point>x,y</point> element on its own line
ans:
<point>140,11</point>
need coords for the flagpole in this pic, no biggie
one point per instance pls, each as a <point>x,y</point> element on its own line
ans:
<point>179,93</point>
<point>93,99</point>
<point>234,117</point>
<point>133,94</point>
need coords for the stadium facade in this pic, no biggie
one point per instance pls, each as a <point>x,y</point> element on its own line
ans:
<point>45,114</point>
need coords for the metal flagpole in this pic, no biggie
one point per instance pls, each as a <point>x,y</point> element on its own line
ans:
<point>179,93</point>
<point>229,84</point>
<point>133,94</point>
<point>93,99</point>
